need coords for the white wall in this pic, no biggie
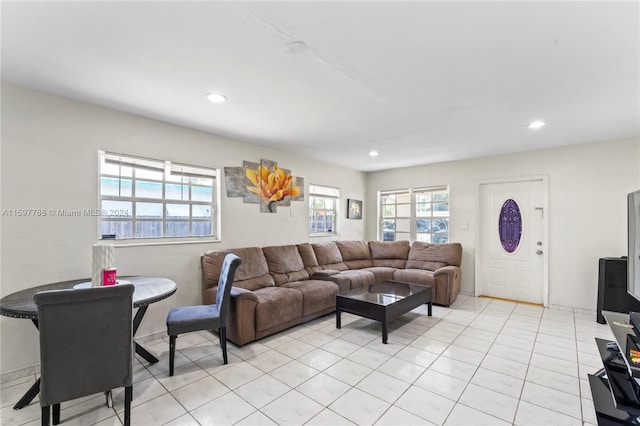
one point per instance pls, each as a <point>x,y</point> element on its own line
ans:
<point>49,160</point>
<point>587,206</point>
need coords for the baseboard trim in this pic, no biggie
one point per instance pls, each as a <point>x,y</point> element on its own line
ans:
<point>20,373</point>
<point>539,305</point>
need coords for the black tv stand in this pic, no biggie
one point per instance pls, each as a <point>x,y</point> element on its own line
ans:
<point>616,387</point>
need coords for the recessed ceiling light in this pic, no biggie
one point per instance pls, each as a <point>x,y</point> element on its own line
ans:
<point>373,153</point>
<point>216,98</point>
<point>536,124</point>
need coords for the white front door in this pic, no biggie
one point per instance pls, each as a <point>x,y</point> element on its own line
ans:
<point>512,249</point>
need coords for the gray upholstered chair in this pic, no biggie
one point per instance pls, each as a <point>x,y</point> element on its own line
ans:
<point>186,319</point>
<point>86,345</point>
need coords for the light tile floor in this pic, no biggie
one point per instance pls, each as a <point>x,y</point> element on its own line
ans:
<point>478,362</point>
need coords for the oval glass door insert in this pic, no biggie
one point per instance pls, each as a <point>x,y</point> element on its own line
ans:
<point>510,226</point>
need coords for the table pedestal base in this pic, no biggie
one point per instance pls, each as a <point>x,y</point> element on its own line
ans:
<point>28,397</point>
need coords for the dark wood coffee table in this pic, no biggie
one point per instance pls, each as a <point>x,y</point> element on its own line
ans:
<point>383,302</point>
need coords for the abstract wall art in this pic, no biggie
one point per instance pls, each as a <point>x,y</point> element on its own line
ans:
<point>264,183</point>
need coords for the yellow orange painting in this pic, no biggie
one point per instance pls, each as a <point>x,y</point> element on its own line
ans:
<point>264,183</point>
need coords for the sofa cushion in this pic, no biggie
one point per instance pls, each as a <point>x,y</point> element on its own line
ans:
<point>308,258</point>
<point>276,306</point>
<point>433,256</point>
<point>392,254</point>
<point>426,265</point>
<point>359,278</point>
<point>317,296</point>
<point>355,254</point>
<point>417,276</point>
<point>285,264</point>
<point>328,256</point>
<point>382,273</point>
<point>252,274</point>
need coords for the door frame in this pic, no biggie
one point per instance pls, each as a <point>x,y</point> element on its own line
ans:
<point>545,229</point>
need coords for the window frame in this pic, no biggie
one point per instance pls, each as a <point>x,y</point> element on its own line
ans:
<point>167,173</point>
<point>316,191</point>
<point>434,216</point>
<point>395,217</point>
<point>413,216</point>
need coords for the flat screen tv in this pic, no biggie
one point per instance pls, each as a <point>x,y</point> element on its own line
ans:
<point>633,260</point>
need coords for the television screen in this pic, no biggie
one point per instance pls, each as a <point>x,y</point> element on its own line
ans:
<point>633,261</point>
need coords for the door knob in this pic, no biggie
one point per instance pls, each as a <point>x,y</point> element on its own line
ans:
<point>538,251</point>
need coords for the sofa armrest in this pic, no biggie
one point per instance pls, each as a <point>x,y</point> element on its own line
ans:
<point>243,294</point>
<point>447,280</point>
<point>451,271</point>
<point>241,327</point>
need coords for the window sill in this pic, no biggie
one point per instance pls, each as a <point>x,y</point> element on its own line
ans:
<point>324,234</point>
<point>141,242</point>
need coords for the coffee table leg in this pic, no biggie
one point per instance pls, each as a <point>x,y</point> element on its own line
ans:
<point>385,332</point>
<point>338,324</point>
<point>429,308</point>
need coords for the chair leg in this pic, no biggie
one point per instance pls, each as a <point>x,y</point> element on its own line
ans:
<point>172,353</point>
<point>45,415</point>
<point>56,414</point>
<point>128,396</point>
<point>222,331</point>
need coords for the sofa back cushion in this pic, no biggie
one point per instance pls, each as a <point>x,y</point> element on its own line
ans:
<point>252,274</point>
<point>392,254</point>
<point>433,256</point>
<point>285,264</point>
<point>329,256</point>
<point>308,258</point>
<point>355,254</point>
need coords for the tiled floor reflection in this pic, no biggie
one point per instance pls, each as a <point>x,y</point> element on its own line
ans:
<point>478,362</point>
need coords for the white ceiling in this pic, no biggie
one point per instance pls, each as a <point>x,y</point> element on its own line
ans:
<point>421,82</point>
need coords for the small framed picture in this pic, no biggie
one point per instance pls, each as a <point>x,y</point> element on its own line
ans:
<point>354,209</point>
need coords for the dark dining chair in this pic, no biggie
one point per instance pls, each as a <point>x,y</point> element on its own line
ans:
<point>187,319</point>
<point>86,345</point>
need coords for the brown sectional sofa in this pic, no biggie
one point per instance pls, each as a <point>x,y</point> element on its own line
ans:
<point>280,286</point>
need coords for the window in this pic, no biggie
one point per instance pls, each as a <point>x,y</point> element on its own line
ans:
<point>145,198</point>
<point>415,215</point>
<point>432,215</point>
<point>323,209</point>
<point>396,215</point>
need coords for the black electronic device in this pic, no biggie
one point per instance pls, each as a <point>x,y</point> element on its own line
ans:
<point>625,331</point>
<point>621,372</point>
<point>612,288</point>
<point>634,319</point>
<point>633,240</point>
